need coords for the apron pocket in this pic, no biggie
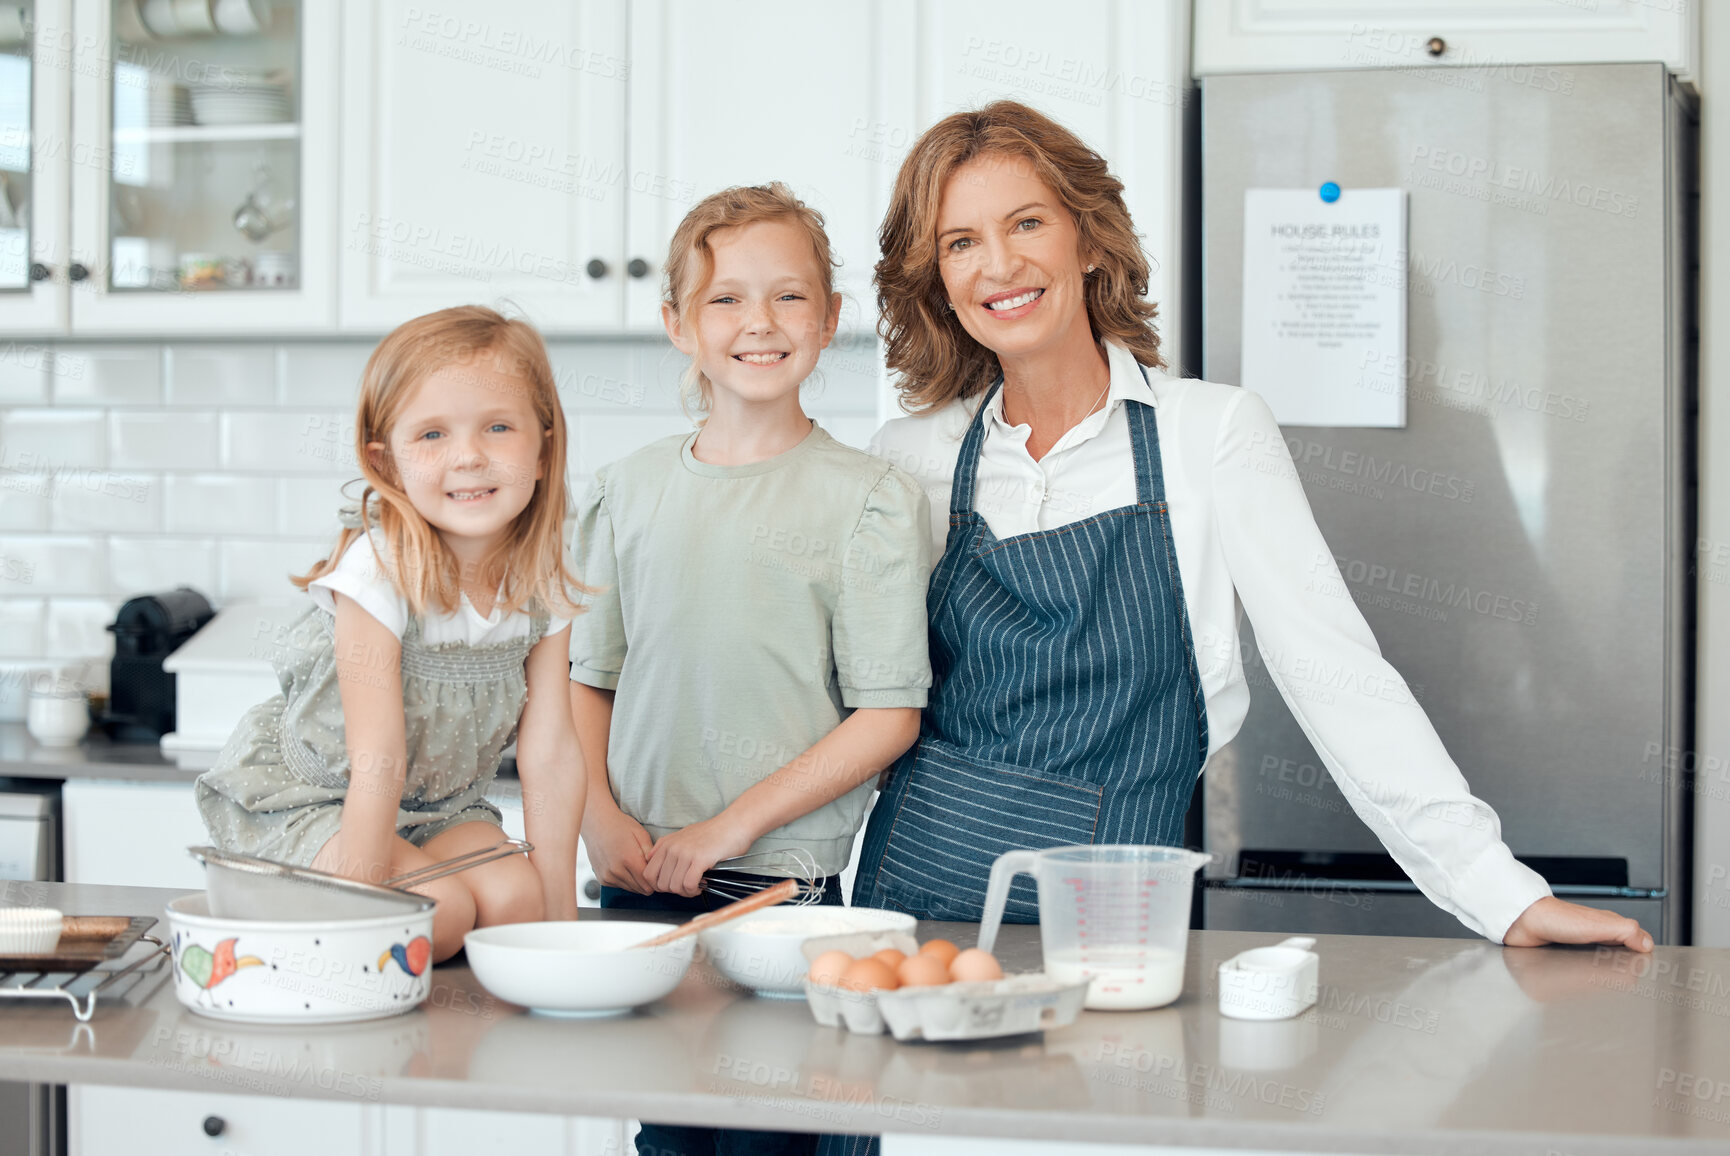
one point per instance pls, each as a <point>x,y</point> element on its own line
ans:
<point>959,813</point>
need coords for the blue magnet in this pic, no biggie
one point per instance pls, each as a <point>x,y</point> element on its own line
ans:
<point>1330,192</point>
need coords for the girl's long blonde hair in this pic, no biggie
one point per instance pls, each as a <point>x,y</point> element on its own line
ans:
<point>530,561</point>
<point>691,257</point>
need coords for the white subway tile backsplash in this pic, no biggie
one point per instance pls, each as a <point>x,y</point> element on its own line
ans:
<point>219,504</point>
<point>78,627</point>
<point>602,438</point>
<point>598,376</point>
<point>157,439</point>
<point>221,375</point>
<point>97,500</point>
<point>135,468</point>
<point>290,441</point>
<point>51,439</point>
<point>53,565</point>
<point>260,567</point>
<point>324,375</point>
<point>309,505</point>
<point>657,367</point>
<point>24,370</point>
<point>21,621</point>
<point>108,375</point>
<point>25,500</point>
<point>149,565</point>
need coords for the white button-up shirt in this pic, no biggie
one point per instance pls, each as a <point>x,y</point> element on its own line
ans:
<point>1242,530</point>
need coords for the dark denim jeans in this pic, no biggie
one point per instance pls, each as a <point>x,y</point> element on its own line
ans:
<point>670,1140</point>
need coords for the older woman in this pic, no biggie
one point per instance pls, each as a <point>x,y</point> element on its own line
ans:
<point>1098,522</point>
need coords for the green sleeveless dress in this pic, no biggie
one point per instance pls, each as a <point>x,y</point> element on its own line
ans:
<point>277,787</point>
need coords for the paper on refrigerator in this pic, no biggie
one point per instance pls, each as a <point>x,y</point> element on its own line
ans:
<point>1324,305</point>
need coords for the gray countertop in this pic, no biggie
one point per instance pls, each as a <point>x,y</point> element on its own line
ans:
<point>1416,1045</point>
<point>96,757</point>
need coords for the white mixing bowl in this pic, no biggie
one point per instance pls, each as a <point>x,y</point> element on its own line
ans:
<point>299,971</point>
<point>587,968</point>
<point>761,951</point>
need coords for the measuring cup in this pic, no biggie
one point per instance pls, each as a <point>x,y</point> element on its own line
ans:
<point>1118,915</point>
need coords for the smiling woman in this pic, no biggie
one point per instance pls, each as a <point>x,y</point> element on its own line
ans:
<point>1097,524</point>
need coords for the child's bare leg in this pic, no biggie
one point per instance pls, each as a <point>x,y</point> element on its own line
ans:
<point>504,891</point>
<point>455,916</point>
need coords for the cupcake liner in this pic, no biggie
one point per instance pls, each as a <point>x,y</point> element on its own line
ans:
<point>29,930</point>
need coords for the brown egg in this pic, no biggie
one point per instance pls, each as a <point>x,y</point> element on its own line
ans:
<point>975,966</point>
<point>890,956</point>
<point>922,970</point>
<point>827,968</point>
<point>942,949</point>
<point>868,974</point>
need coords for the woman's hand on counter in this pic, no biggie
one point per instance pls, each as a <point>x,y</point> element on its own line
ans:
<point>1552,920</point>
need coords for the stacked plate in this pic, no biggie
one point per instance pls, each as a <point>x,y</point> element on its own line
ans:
<point>170,104</point>
<point>246,103</point>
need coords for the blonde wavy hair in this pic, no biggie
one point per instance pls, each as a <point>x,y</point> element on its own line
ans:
<point>691,256</point>
<point>936,359</point>
<point>531,558</point>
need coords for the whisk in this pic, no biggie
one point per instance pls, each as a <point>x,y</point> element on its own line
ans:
<point>744,875</point>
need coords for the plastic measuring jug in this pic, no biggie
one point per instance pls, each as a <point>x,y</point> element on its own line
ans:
<point>1118,915</point>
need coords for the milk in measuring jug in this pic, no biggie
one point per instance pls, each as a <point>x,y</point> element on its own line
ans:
<point>1124,978</point>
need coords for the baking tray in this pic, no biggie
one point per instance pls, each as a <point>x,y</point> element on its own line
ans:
<point>85,942</point>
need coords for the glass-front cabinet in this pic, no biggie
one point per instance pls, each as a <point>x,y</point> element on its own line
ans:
<point>35,38</point>
<point>167,166</point>
<point>17,25</point>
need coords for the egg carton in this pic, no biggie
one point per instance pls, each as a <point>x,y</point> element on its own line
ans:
<point>1014,1005</point>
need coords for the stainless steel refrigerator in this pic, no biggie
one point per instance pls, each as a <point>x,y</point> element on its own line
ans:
<point>1521,547</point>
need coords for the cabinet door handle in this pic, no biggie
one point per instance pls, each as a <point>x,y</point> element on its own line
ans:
<point>596,268</point>
<point>214,1125</point>
<point>638,268</point>
<point>40,272</point>
<point>77,272</point>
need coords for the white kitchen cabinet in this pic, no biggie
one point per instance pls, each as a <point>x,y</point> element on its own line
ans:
<point>153,1122</point>
<point>743,92</point>
<point>132,834</point>
<point>35,166</point>
<point>483,160</point>
<point>1113,71</point>
<point>126,193</point>
<point>447,1132</point>
<point>1494,38</point>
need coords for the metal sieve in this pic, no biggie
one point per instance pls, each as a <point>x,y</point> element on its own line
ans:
<point>247,887</point>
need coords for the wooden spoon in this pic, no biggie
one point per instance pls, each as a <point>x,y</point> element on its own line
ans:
<point>768,897</point>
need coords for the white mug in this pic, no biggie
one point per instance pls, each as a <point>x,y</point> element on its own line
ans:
<point>57,719</point>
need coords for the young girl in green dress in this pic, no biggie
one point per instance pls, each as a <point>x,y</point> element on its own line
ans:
<point>438,632</point>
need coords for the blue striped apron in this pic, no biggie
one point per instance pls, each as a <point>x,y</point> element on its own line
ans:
<point>1065,709</point>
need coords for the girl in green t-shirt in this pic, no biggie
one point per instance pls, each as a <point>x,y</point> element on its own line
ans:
<point>757,655</point>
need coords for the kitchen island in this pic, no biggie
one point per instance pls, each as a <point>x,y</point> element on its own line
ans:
<point>1415,1045</point>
